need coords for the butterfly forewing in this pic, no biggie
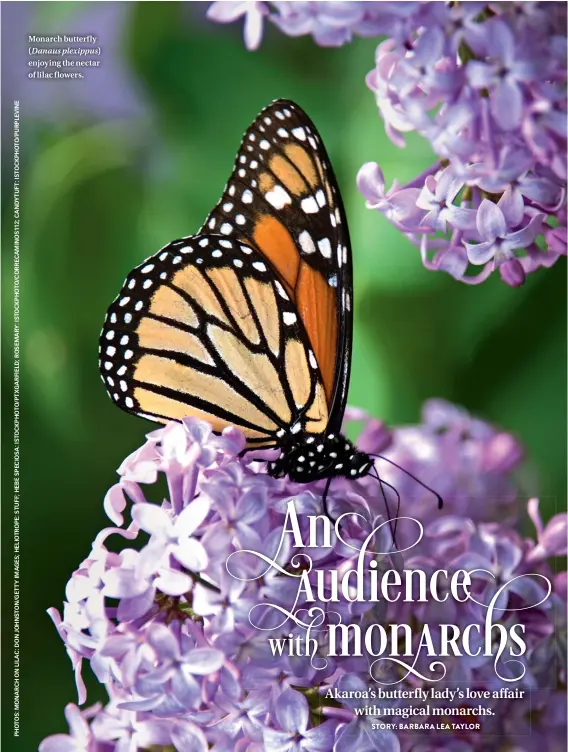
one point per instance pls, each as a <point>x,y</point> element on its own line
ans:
<point>204,328</point>
<point>282,199</point>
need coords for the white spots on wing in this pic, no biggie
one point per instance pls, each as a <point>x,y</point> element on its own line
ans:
<point>253,165</point>
<point>252,137</point>
<point>312,359</point>
<point>227,207</point>
<point>147,284</point>
<point>226,228</point>
<point>264,144</point>
<point>204,242</point>
<point>300,133</point>
<point>127,318</point>
<point>110,380</point>
<point>241,173</point>
<point>281,291</point>
<point>211,222</point>
<point>279,115</point>
<point>306,242</point>
<point>278,197</point>
<point>259,265</point>
<point>147,269</point>
<point>309,205</point>
<point>186,249</point>
<point>128,354</point>
<point>129,402</point>
<point>296,428</point>
<point>267,120</point>
<point>111,350</point>
<point>110,335</point>
<point>113,318</point>
<point>124,339</point>
<point>339,256</point>
<point>337,217</point>
<point>163,275</point>
<point>287,112</point>
<point>282,132</point>
<point>139,305</point>
<point>225,244</point>
<point>289,318</point>
<point>246,249</point>
<point>123,301</point>
<point>332,220</point>
<point>320,198</point>
<point>253,183</point>
<point>347,301</point>
<point>312,142</point>
<point>175,260</point>
<point>232,190</point>
<point>199,261</point>
<point>121,371</point>
<point>108,365</point>
<point>240,219</point>
<point>344,254</point>
<point>325,247</point>
<point>238,263</point>
<point>131,284</point>
<point>242,159</point>
<point>123,386</point>
<point>332,281</point>
<point>247,197</point>
<point>217,254</point>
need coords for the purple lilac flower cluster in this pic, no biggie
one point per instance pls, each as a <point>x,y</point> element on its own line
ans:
<point>331,24</point>
<point>485,84</point>
<point>180,639</point>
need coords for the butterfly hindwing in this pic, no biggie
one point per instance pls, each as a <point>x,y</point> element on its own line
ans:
<point>205,328</point>
<point>283,200</point>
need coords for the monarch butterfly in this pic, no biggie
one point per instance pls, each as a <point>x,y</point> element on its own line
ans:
<point>249,322</point>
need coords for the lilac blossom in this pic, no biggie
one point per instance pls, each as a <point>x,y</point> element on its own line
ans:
<point>252,12</point>
<point>174,622</point>
<point>331,24</point>
<point>80,737</point>
<point>494,226</point>
<point>292,715</point>
<point>485,85</point>
<point>472,85</point>
<point>437,199</point>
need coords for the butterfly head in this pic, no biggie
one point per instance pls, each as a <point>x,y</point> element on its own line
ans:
<point>306,458</point>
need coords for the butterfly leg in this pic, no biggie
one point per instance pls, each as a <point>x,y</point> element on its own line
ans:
<point>324,500</point>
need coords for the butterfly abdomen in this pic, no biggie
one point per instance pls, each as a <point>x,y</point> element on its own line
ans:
<point>307,458</point>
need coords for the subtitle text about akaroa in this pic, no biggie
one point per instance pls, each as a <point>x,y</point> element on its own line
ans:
<point>62,56</point>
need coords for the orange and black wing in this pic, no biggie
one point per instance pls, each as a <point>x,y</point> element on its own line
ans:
<point>205,328</point>
<point>283,201</point>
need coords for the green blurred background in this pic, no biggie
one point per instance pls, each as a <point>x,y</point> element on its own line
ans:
<point>137,154</point>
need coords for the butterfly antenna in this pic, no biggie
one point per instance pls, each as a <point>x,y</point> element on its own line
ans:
<point>382,484</point>
<point>404,470</point>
